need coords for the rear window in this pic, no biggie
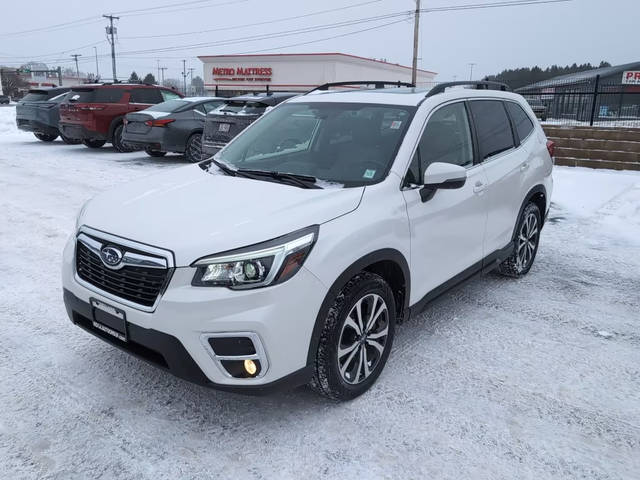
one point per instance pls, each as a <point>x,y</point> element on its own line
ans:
<point>169,106</point>
<point>145,95</point>
<point>492,126</point>
<point>521,120</point>
<point>248,108</point>
<point>97,95</point>
<point>35,97</point>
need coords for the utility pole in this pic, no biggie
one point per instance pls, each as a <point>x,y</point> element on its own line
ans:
<point>162,69</point>
<point>111,30</point>
<point>158,77</point>
<point>95,50</point>
<point>471,65</point>
<point>184,75</point>
<point>191,77</point>
<point>416,35</point>
<point>75,57</point>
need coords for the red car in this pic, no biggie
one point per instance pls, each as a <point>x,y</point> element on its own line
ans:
<point>94,114</point>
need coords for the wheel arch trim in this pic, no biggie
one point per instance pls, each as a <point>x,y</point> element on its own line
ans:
<point>387,254</point>
<point>537,189</point>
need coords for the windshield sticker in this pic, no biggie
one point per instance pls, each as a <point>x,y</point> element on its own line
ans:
<point>395,125</point>
<point>369,174</point>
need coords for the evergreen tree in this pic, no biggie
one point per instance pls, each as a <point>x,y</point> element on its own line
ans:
<point>149,78</point>
<point>521,77</point>
<point>134,78</point>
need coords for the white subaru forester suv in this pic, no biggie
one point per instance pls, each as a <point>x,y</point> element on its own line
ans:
<point>290,256</point>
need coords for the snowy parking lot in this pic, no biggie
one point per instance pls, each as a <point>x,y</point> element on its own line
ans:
<point>499,379</point>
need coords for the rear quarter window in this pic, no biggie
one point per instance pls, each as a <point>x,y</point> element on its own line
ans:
<point>492,127</point>
<point>521,120</point>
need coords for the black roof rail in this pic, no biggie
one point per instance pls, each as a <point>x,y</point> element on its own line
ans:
<point>479,84</point>
<point>377,83</point>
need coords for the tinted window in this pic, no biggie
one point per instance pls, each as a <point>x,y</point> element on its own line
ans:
<point>446,138</point>
<point>209,106</point>
<point>167,95</point>
<point>34,97</point>
<point>98,95</point>
<point>492,126</point>
<point>145,95</point>
<point>520,119</point>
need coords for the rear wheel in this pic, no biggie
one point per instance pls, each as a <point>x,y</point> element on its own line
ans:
<point>70,141</point>
<point>193,150</point>
<point>526,243</point>
<point>356,338</point>
<point>93,143</point>
<point>118,143</point>
<point>45,138</point>
<point>154,153</point>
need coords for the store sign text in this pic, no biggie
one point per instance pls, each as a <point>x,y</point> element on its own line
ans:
<point>631,77</point>
<point>242,74</point>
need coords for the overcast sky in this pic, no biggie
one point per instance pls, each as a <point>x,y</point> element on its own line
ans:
<point>562,33</point>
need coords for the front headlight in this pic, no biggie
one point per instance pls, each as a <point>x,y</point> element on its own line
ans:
<point>267,263</point>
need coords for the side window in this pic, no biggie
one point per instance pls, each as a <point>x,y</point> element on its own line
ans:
<point>168,95</point>
<point>520,119</point>
<point>492,126</point>
<point>107,95</point>
<point>200,109</point>
<point>145,95</point>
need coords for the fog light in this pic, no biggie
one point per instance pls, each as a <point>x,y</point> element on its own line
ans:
<point>250,367</point>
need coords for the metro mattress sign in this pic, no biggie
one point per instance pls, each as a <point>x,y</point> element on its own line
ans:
<point>631,77</point>
<point>242,74</point>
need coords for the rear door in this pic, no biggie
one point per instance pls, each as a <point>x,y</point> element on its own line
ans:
<point>447,231</point>
<point>504,165</point>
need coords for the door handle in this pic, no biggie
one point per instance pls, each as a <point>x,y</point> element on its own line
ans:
<point>478,187</point>
<point>524,166</point>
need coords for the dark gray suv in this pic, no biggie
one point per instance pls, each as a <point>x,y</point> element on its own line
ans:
<point>171,126</point>
<point>223,124</point>
<point>39,112</point>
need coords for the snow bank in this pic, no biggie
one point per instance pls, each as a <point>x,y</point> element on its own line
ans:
<point>8,120</point>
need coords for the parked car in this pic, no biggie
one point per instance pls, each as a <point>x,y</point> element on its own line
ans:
<point>235,115</point>
<point>94,114</point>
<point>172,126</point>
<point>39,112</point>
<point>539,108</point>
<point>290,256</point>
<point>4,99</point>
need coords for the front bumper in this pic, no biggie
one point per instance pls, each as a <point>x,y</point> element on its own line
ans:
<point>80,132</point>
<point>171,336</point>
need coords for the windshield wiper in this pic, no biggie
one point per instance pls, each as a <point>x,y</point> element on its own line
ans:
<point>231,172</point>
<point>302,181</point>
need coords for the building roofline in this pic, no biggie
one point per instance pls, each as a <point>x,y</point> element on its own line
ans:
<point>348,55</point>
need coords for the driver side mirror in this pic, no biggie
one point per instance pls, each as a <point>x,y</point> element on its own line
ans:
<point>441,175</point>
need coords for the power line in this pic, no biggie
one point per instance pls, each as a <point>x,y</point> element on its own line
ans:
<point>268,22</point>
<point>154,10</point>
<point>60,26</point>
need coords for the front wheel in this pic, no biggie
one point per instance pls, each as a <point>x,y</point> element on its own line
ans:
<point>154,153</point>
<point>526,243</point>
<point>193,150</point>
<point>93,143</point>
<point>43,137</point>
<point>356,338</point>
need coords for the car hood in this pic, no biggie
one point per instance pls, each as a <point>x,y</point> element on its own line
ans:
<point>195,213</point>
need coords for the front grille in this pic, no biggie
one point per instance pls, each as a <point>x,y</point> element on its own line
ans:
<point>139,285</point>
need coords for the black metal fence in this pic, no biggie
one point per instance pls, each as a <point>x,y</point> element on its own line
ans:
<point>590,102</point>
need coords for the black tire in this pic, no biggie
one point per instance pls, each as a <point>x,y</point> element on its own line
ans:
<point>118,143</point>
<point>93,143</point>
<point>43,137</point>
<point>331,377</point>
<point>70,141</point>
<point>193,149</point>
<point>526,243</point>
<point>154,153</point>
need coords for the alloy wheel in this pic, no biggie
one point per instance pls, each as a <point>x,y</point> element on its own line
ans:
<point>363,338</point>
<point>194,149</point>
<point>527,241</point>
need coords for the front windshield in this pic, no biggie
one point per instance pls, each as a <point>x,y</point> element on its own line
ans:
<point>346,143</point>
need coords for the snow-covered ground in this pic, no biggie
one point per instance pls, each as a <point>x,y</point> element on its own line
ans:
<point>500,379</point>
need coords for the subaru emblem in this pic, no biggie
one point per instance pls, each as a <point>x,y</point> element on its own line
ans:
<point>111,256</point>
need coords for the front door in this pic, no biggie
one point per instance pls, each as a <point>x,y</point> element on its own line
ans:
<point>447,231</point>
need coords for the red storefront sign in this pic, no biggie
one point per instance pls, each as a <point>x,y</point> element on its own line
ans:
<point>242,74</point>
